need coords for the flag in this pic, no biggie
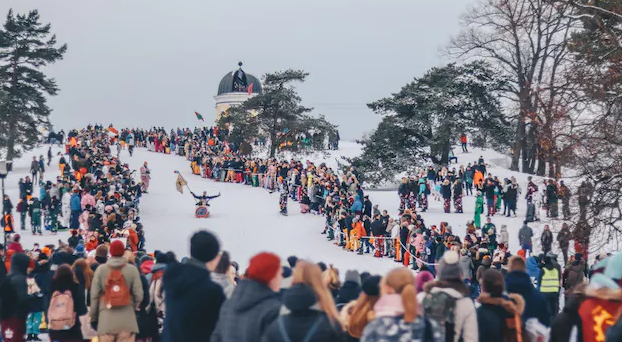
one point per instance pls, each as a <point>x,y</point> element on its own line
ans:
<point>250,89</point>
<point>113,131</point>
<point>180,183</point>
<point>199,116</point>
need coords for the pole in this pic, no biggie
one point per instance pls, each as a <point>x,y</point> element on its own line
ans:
<point>5,234</point>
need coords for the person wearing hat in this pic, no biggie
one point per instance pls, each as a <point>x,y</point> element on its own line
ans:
<point>115,324</point>
<point>254,304</point>
<point>193,299</point>
<point>350,289</point>
<point>450,287</point>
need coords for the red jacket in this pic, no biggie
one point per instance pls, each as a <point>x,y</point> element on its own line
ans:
<point>16,246</point>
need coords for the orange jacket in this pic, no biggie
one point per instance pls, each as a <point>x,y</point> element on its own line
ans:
<point>358,227</point>
<point>133,240</point>
<point>477,177</point>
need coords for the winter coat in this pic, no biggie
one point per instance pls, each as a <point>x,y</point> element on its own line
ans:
<point>465,316</point>
<point>534,272</point>
<point>19,267</point>
<point>193,301</point>
<point>536,305</point>
<point>245,316</point>
<point>75,203</point>
<point>223,281</point>
<point>348,292</point>
<point>114,321</point>
<point>504,237</point>
<point>563,237</point>
<point>547,238</point>
<point>16,246</point>
<point>467,266</point>
<point>482,268</point>
<point>524,235</point>
<point>573,275</point>
<point>300,301</point>
<point>39,274</point>
<point>564,322</point>
<point>357,205</point>
<point>87,199</point>
<point>377,228</point>
<point>492,315</point>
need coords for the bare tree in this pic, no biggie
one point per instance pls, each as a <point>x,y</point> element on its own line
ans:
<point>527,41</point>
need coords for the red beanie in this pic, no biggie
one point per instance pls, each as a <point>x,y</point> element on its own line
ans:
<point>117,248</point>
<point>263,267</point>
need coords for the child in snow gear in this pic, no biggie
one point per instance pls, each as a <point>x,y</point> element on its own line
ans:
<point>284,192</point>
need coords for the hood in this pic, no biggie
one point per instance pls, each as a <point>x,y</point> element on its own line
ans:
<point>249,294</point>
<point>514,305</point>
<point>299,297</point>
<point>179,279</point>
<point>456,289</point>
<point>519,282</point>
<point>19,263</point>
<point>116,262</point>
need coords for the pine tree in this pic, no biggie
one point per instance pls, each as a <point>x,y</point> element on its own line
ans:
<point>277,115</point>
<point>26,46</point>
<point>429,114</point>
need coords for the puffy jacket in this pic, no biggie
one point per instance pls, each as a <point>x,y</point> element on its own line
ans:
<point>357,205</point>
<point>492,315</point>
<point>74,203</point>
<point>524,235</point>
<point>303,313</point>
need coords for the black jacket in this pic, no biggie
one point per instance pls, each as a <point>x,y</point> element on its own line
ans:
<point>247,314</point>
<point>19,266</point>
<point>563,323</point>
<point>348,292</point>
<point>192,302</point>
<point>377,228</point>
<point>299,300</point>
<point>492,315</point>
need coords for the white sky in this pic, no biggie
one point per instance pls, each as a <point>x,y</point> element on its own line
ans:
<point>154,62</point>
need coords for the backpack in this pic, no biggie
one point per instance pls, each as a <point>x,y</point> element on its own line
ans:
<point>513,330</point>
<point>116,292</point>
<point>61,314</point>
<point>439,307</point>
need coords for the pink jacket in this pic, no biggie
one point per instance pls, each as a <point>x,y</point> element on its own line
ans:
<point>418,243</point>
<point>87,199</point>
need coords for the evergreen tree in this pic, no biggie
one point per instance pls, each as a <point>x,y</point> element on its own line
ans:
<point>277,115</point>
<point>430,113</point>
<point>26,46</point>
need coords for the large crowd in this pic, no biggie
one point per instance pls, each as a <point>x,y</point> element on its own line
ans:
<point>467,288</point>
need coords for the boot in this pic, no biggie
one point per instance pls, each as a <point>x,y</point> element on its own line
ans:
<point>35,337</point>
<point>29,337</point>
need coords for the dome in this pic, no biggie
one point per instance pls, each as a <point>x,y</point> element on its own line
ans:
<point>238,81</point>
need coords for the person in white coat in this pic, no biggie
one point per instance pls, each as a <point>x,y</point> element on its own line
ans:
<point>66,209</point>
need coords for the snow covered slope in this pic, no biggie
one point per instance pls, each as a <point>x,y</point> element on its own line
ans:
<point>246,219</point>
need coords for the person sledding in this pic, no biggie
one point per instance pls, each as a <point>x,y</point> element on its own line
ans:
<point>204,199</point>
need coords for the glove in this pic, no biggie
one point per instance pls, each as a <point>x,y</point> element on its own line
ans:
<point>94,325</point>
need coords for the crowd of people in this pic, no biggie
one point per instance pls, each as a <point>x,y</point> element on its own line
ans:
<point>464,289</point>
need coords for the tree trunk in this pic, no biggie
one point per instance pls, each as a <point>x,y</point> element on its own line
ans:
<point>518,144</point>
<point>12,117</point>
<point>552,164</point>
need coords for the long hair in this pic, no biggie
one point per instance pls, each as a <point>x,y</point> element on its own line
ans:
<point>361,314</point>
<point>402,282</point>
<point>224,263</point>
<point>311,275</point>
<point>64,278</point>
<point>87,272</point>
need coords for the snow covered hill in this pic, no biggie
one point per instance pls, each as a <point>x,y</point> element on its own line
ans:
<point>246,219</point>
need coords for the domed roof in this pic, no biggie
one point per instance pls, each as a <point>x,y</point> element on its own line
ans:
<point>238,81</point>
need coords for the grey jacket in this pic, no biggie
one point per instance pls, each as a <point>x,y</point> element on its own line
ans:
<point>245,316</point>
<point>467,266</point>
<point>223,281</point>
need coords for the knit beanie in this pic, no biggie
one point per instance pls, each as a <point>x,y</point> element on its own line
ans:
<point>449,269</point>
<point>263,267</point>
<point>423,277</point>
<point>117,248</point>
<point>371,286</point>
<point>204,246</point>
<point>353,276</point>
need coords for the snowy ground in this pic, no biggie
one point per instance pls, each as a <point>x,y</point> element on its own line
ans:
<point>246,219</point>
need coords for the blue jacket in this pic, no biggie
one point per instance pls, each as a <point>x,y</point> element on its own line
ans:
<point>534,272</point>
<point>536,305</point>
<point>357,205</point>
<point>74,203</point>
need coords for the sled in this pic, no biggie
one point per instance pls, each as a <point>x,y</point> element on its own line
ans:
<point>201,212</point>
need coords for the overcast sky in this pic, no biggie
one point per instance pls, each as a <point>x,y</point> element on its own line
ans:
<point>154,62</point>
